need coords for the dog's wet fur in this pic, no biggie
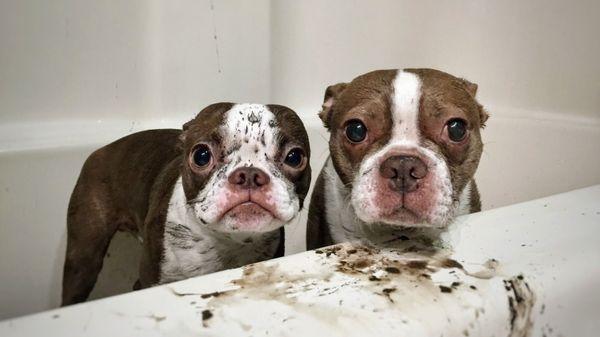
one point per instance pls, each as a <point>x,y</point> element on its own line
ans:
<point>192,219</point>
<point>407,113</point>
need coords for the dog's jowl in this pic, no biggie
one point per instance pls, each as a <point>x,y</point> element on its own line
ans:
<point>404,146</point>
<point>212,196</point>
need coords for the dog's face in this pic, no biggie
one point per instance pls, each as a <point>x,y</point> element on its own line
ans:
<point>406,142</point>
<point>245,166</point>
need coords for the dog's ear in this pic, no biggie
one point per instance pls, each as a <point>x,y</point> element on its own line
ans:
<point>332,94</point>
<point>483,115</point>
<point>182,135</point>
<point>471,88</point>
<point>187,125</point>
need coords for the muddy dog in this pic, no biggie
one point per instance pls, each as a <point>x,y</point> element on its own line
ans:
<point>212,196</point>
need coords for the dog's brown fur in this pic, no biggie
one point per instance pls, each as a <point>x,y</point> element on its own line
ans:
<point>127,185</point>
<point>369,97</point>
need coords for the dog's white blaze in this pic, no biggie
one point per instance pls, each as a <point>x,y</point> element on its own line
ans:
<point>247,126</point>
<point>405,108</point>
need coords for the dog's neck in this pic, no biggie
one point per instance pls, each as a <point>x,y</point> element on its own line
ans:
<point>344,225</point>
<point>191,248</point>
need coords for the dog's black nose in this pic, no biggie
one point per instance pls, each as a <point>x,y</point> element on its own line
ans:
<point>404,172</point>
<point>248,177</point>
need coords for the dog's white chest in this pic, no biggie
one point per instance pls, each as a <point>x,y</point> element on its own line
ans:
<point>191,249</point>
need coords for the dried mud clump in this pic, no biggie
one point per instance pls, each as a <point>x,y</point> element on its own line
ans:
<point>521,300</point>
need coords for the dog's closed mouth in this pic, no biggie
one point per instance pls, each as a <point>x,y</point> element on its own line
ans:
<point>251,211</point>
<point>249,216</point>
<point>403,213</point>
<point>249,207</point>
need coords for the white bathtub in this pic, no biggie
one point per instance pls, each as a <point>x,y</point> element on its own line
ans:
<point>508,275</point>
<point>526,155</point>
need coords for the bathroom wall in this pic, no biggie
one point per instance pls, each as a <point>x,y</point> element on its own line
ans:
<point>71,64</point>
<point>79,65</point>
<point>536,55</point>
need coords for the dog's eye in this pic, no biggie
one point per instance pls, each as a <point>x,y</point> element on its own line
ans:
<point>356,131</point>
<point>294,158</point>
<point>457,129</point>
<point>202,155</point>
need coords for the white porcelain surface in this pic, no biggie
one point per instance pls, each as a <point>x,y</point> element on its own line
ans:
<point>551,242</point>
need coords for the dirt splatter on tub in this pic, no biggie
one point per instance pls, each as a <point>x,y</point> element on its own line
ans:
<point>361,282</point>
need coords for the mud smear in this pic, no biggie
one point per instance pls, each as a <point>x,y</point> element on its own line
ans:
<point>450,263</point>
<point>368,268</point>
<point>157,318</point>
<point>206,315</point>
<point>389,274</point>
<point>520,304</point>
<point>362,262</point>
<point>265,281</point>
<point>214,294</point>
<point>445,289</point>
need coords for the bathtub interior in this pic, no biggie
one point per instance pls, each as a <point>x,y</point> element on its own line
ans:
<point>77,75</point>
<point>524,158</point>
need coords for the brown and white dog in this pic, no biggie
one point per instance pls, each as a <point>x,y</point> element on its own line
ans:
<point>211,197</point>
<point>404,146</point>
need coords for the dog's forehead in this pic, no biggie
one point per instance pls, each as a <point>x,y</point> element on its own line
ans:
<point>439,89</point>
<point>252,130</point>
<point>375,85</point>
<point>407,98</point>
<point>435,86</point>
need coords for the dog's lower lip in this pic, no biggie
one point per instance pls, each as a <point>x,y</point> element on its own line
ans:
<point>249,203</point>
<point>406,211</point>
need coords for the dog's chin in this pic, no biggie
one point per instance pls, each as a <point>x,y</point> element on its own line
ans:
<point>402,216</point>
<point>398,217</point>
<point>248,217</point>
